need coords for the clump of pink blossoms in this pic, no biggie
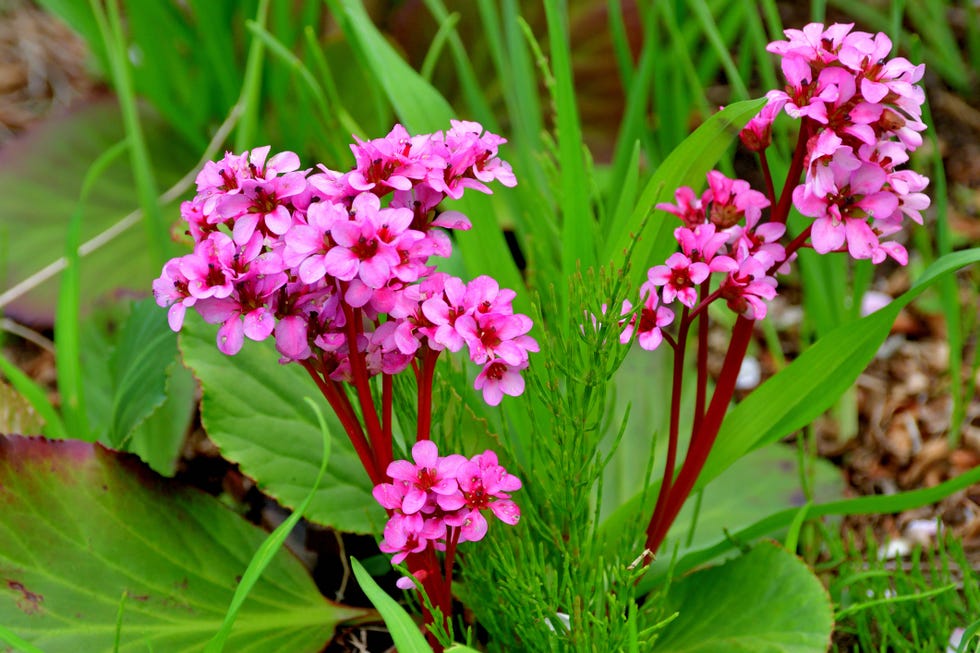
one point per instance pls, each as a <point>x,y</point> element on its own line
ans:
<point>859,115</point>
<point>337,268</point>
<point>438,501</point>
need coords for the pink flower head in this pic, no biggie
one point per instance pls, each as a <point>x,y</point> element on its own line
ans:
<point>679,277</point>
<point>732,200</point>
<point>430,473</point>
<point>497,379</point>
<point>367,246</point>
<point>486,485</point>
<point>648,323</point>
<point>688,207</point>
<point>757,134</point>
<point>405,534</point>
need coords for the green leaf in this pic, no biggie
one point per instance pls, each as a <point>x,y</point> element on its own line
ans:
<point>810,385</point>
<point>146,346</point>
<point>253,409</point>
<point>404,631</point>
<point>687,165</point>
<point>41,177</point>
<point>270,547</point>
<point>159,438</point>
<point>82,525</point>
<point>766,601</point>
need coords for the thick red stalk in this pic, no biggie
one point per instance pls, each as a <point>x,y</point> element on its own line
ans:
<point>704,439</point>
<point>362,383</point>
<point>702,379</point>
<point>675,416</point>
<point>425,379</point>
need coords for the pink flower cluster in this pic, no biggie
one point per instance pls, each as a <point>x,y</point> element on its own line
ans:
<point>722,233</point>
<point>863,111</point>
<point>439,500</point>
<point>329,263</point>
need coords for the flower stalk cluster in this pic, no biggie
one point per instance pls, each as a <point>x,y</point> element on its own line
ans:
<point>336,268</point>
<point>859,116</point>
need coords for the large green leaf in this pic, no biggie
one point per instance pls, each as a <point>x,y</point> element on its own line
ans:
<point>813,382</point>
<point>83,528</point>
<point>40,180</point>
<point>253,410</point>
<point>766,601</point>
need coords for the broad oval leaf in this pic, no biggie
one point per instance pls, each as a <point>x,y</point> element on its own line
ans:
<point>253,409</point>
<point>81,526</point>
<point>767,601</point>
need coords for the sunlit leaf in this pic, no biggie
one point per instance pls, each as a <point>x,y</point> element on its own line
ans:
<point>81,526</point>
<point>767,600</point>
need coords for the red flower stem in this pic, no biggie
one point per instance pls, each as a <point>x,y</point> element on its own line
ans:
<point>702,442</point>
<point>452,541</point>
<point>386,394</point>
<point>341,407</point>
<point>362,385</point>
<point>797,242</point>
<point>675,416</point>
<point>425,380</point>
<point>702,384</point>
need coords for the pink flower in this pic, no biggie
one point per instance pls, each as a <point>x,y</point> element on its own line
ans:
<point>497,379</point>
<point>679,277</point>
<point>650,320</point>
<point>430,473</point>
<point>688,207</point>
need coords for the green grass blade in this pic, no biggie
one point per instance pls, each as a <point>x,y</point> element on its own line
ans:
<point>968,634</point>
<point>403,629</point>
<point>54,428</point>
<point>793,536</point>
<point>19,644</point>
<point>271,545</point>
<point>110,25</point>
<point>812,383</point>
<point>421,108</point>
<point>703,14</point>
<point>473,90</point>
<point>245,135</point>
<point>67,314</point>
<point>578,224</point>
<point>878,504</point>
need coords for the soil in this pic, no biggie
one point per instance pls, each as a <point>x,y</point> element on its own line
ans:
<point>902,440</point>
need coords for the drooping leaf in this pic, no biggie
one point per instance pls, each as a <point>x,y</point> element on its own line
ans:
<point>767,601</point>
<point>82,525</point>
<point>813,382</point>
<point>404,631</point>
<point>40,179</point>
<point>253,409</point>
<point>159,438</point>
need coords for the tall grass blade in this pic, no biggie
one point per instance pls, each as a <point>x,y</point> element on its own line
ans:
<point>67,314</point>
<point>245,135</point>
